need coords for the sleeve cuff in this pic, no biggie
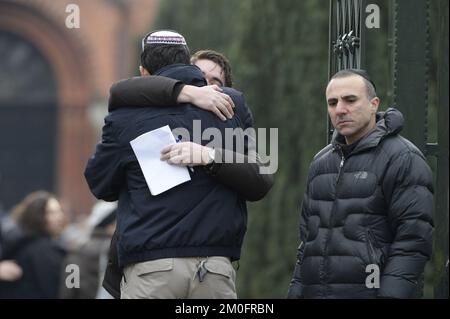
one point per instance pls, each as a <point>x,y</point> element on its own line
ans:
<point>176,91</point>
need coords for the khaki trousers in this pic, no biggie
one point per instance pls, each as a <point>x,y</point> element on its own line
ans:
<point>180,278</point>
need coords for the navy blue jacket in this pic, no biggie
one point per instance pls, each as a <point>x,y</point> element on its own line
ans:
<point>197,218</point>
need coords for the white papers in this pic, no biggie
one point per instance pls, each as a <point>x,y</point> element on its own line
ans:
<point>159,175</point>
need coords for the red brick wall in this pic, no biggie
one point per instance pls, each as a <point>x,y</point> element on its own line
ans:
<point>86,61</point>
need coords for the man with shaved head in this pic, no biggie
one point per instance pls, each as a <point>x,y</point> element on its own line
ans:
<point>366,222</point>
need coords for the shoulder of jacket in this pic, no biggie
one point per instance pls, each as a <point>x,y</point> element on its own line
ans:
<point>397,146</point>
<point>323,152</point>
<point>242,109</point>
<point>120,119</point>
<point>237,97</point>
<point>232,92</point>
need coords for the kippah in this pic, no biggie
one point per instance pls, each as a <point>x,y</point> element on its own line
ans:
<point>164,37</point>
<point>362,73</point>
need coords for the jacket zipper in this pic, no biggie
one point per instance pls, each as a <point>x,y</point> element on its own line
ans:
<point>341,165</point>
<point>339,173</point>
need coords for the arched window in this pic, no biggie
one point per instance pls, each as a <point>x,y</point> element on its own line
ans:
<point>28,106</point>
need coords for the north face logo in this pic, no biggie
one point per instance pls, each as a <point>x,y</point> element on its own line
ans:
<point>361,175</point>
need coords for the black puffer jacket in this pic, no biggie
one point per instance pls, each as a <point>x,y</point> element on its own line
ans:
<point>372,207</point>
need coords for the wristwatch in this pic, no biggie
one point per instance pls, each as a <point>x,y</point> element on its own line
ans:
<point>211,156</point>
<point>212,167</point>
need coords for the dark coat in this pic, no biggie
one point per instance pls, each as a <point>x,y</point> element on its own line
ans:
<point>41,260</point>
<point>373,206</point>
<point>198,218</point>
<point>113,271</point>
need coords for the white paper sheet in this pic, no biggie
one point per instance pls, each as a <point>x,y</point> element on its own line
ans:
<point>159,175</point>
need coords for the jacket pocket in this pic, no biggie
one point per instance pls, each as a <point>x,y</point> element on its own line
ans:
<point>376,255</point>
<point>154,266</point>
<point>220,266</point>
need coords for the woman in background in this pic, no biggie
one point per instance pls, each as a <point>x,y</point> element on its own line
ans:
<point>41,220</point>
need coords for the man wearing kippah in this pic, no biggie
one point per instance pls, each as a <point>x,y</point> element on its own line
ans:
<point>366,222</point>
<point>178,244</point>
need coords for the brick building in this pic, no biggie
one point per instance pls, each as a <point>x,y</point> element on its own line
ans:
<point>54,84</point>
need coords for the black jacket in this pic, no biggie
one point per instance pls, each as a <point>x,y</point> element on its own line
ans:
<point>41,260</point>
<point>113,272</point>
<point>198,218</point>
<point>372,207</point>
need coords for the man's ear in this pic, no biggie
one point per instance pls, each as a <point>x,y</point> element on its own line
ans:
<point>375,103</point>
<point>143,71</point>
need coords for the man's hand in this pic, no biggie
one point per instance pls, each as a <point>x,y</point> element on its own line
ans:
<point>209,98</point>
<point>9,270</point>
<point>186,154</point>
